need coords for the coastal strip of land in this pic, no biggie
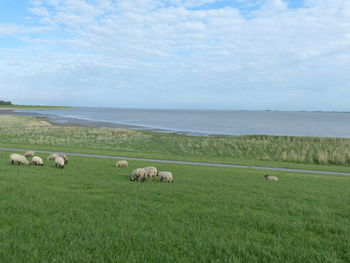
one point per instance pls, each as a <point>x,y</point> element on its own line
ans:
<point>188,162</point>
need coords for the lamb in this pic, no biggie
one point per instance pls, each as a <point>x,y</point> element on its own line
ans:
<point>29,154</point>
<point>59,162</point>
<point>165,175</point>
<point>19,159</point>
<point>122,163</point>
<point>52,156</point>
<point>151,171</point>
<point>36,160</point>
<point>65,157</point>
<point>270,177</point>
<point>137,174</point>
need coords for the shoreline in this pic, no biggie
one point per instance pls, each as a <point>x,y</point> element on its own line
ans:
<point>64,121</point>
<point>73,122</point>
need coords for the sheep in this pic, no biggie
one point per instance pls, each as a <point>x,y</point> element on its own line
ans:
<point>137,174</point>
<point>65,157</point>
<point>122,163</point>
<point>165,175</point>
<point>19,159</point>
<point>52,156</point>
<point>36,160</point>
<point>29,154</point>
<point>270,177</point>
<point>59,162</point>
<point>151,171</point>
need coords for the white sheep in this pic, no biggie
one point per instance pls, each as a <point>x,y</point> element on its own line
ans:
<point>59,162</point>
<point>19,159</point>
<point>137,174</point>
<point>165,175</point>
<point>122,163</point>
<point>29,154</point>
<point>52,156</point>
<point>270,177</point>
<point>36,160</point>
<point>65,157</point>
<point>151,171</point>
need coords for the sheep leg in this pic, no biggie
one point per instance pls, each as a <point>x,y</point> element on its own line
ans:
<point>12,162</point>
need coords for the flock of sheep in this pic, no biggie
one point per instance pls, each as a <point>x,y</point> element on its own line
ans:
<point>148,172</point>
<point>61,160</point>
<point>139,174</point>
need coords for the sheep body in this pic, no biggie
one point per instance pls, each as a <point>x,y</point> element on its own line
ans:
<point>271,178</point>
<point>64,156</point>
<point>19,159</point>
<point>151,171</point>
<point>137,174</point>
<point>52,156</point>
<point>166,175</point>
<point>36,160</point>
<point>29,154</point>
<point>59,162</point>
<point>122,163</point>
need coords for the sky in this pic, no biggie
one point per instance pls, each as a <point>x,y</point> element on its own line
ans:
<point>186,54</point>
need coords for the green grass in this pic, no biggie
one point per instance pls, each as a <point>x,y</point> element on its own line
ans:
<point>332,154</point>
<point>91,212</point>
<point>33,107</point>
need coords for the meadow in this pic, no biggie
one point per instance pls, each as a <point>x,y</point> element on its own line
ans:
<point>90,212</point>
<point>331,154</point>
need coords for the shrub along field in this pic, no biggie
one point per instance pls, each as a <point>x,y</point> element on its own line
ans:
<point>278,151</point>
<point>91,212</point>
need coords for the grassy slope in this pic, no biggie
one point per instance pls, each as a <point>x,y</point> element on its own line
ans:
<point>26,132</point>
<point>91,212</point>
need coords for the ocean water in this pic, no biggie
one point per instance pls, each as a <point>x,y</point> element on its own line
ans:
<point>209,122</point>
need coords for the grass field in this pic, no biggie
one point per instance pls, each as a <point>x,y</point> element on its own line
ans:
<point>91,212</point>
<point>277,151</point>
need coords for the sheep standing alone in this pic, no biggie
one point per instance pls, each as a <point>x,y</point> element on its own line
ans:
<point>151,171</point>
<point>165,175</point>
<point>122,163</point>
<point>270,177</point>
<point>29,154</point>
<point>52,156</point>
<point>19,159</point>
<point>137,174</point>
<point>59,162</point>
<point>36,160</point>
<point>65,157</point>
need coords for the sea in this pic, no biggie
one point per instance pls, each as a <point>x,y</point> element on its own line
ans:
<point>205,122</point>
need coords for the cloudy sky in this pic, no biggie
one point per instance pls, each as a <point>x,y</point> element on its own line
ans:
<point>204,54</point>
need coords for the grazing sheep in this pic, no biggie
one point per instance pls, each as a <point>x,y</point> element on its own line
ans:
<point>137,174</point>
<point>52,156</point>
<point>270,177</point>
<point>36,160</point>
<point>19,159</point>
<point>165,175</point>
<point>122,163</point>
<point>59,162</point>
<point>29,154</point>
<point>151,171</point>
<point>65,157</point>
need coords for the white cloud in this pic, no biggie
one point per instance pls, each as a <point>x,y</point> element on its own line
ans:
<point>152,48</point>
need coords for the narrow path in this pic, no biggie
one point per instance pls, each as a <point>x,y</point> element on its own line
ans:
<point>190,163</point>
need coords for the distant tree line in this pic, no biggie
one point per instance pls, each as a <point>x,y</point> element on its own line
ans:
<point>2,102</point>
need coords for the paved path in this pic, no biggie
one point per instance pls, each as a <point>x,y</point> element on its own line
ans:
<point>191,163</point>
